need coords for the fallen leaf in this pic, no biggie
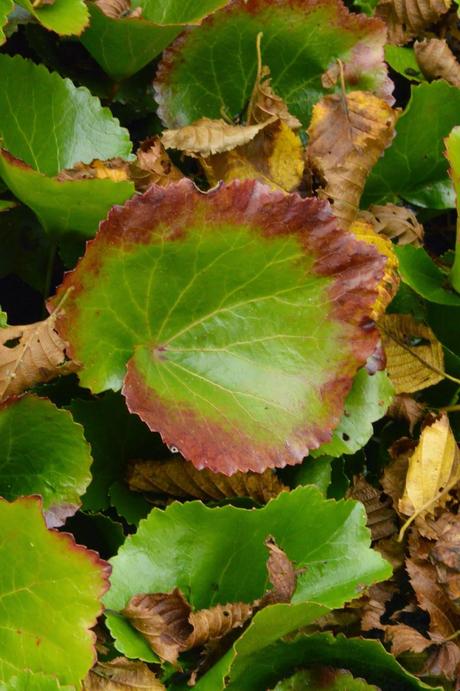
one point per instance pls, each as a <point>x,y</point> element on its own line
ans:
<point>394,475</point>
<point>445,555</point>
<point>115,169</point>
<point>437,61</point>
<point>405,407</point>
<point>375,602</point>
<point>395,222</point>
<point>153,165</point>
<point>347,135</point>
<point>444,661</point>
<point>116,9</point>
<point>205,136</point>
<point>381,518</point>
<point>121,674</point>
<point>405,638</point>
<point>415,358</point>
<point>433,468</point>
<point>178,478</point>
<point>432,598</point>
<point>281,574</point>
<point>406,19</point>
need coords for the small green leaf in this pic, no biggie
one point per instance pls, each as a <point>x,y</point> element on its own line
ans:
<point>324,678</point>
<point>3,318</point>
<point>43,452</point>
<point>404,62</point>
<point>5,8</point>
<point>366,403</point>
<point>50,589</point>
<point>414,166</point>
<point>419,272</point>
<point>65,17</point>
<point>28,681</point>
<point>239,374</point>
<point>301,40</point>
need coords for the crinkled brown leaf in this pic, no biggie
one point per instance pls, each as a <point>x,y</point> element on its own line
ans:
<point>381,518</point>
<point>153,166</point>
<point>408,19</point>
<point>121,674</point>
<point>205,137</point>
<point>30,355</point>
<point>445,555</point>
<point>115,169</point>
<point>168,624</point>
<point>405,638</point>
<point>396,223</point>
<point>444,661</point>
<point>374,607</point>
<point>281,574</point>
<point>437,61</point>
<point>274,156</point>
<point>393,479</point>
<point>117,9</point>
<point>404,407</point>
<point>415,358</point>
<point>347,136</point>
<point>432,598</point>
<point>178,478</point>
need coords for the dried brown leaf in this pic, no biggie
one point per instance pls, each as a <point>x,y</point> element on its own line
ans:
<point>406,19</point>
<point>281,574</point>
<point>117,9</point>
<point>445,555</point>
<point>205,137</point>
<point>393,480</point>
<point>375,603</point>
<point>153,166</point>
<point>347,135</point>
<point>396,223</point>
<point>115,169</point>
<point>405,639</point>
<point>404,407</point>
<point>432,599</point>
<point>30,355</point>
<point>179,478</point>
<point>121,674</point>
<point>437,61</point>
<point>381,518</point>
<point>444,661</point>
<point>415,358</point>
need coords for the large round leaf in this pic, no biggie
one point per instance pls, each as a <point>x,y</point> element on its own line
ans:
<point>43,451</point>
<point>241,316</point>
<point>213,68</point>
<point>50,590</point>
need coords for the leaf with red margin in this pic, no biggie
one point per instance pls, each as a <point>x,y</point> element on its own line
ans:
<point>239,317</point>
<point>50,591</point>
<point>213,67</point>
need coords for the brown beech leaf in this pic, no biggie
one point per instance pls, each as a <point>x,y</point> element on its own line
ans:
<point>415,358</point>
<point>121,674</point>
<point>115,169</point>
<point>395,222</point>
<point>178,478</point>
<point>347,135</point>
<point>437,61</point>
<point>433,468</point>
<point>404,407</point>
<point>281,574</point>
<point>153,166</point>
<point>381,518</point>
<point>274,156</point>
<point>406,19</point>
<point>405,638</point>
<point>116,9</point>
<point>445,555</point>
<point>374,607</point>
<point>432,598</point>
<point>168,624</point>
<point>444,661</point>
<point>205,137</point>
<point>393,479</point>
<point>30,355</point>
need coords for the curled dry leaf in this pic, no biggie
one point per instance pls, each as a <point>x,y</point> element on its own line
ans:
<point>374,607</point>
<point>406,19</point>
<point>445,555</point>
<point>405,639</point>
<point>178,478</point>
<point>205,136</point>
<point>347,135</point>
<point>394,475</point>
<point>395,222</point>
<point>116,9</point>
<point>381,518</point>
<point>274,156</point>
<point>121,674</point>
<point>432,598</point>
<point>153,166</point>
<point>437,61</point>
<point>170,627</point>
<point>433,468</point>
<point>405,407</point>
<point>415,358</point>
<point>30,355</point>
<point>115,169</point>
<point>281,574</point>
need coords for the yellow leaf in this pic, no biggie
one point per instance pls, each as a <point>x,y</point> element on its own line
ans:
<point>406,19</point>
<point>347,135</point>
<point>433,467</point>
<point>437,61</point>
<point>415,358</point>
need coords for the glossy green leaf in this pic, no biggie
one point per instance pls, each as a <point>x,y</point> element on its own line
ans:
<point>50,591</point>
<point>419,272</point>
<point>310,472</point>
<point>62,16</point>
<point>28,681</point>
<point>329,538</point>
<point>403,61</point>
<point>43,451</point>
<point>324,678</point>
<point>414,166</point>
<point>129,505</point>
<point>452,144</point>
<point>6,205</point>
<point>5,8</point>
<point>3,318</point>
<point>301,40</point>
<point>238,374</point>
<point>122,46</point>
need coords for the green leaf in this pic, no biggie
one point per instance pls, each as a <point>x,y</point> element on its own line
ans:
<point>366,403</point>
<point>43,452</point>
<point>6,205</point>
<point>366,6</point>
<point>129,505</point>
<point>403,61</point>
<point>27,681</point>
<point>420,273</point>
<point>301,40</point>
<point>414,167</point>
<point>3,319</point>
<point>5,8</point>
<point>329,538</point>
<point>97,531</point>
<point>324,678</point>
<point>50,589</point>
<point>310,472</point>
<point>65,17</point>
<point>238,374</point>
<point>122,46</point>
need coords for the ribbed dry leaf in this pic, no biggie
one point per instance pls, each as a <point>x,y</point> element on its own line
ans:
<point>153,166</point>
<point>404,407</point>
<point>432,599</point>
<point>274,156</point>
<point>433,467</point>
<point>168,624</point>
<point>115,169</point>
<point>30,355</point>
<point>444,661</point>
<point>118,8</point>
<point>281,574</point>
<point>404,639</point>
<point>179,478</point>
<point>374,607</point>
<point>406,19</point>
<point>205,137</point>
<point>415,358</point>
<point>121,674</point>
<point>445,555</point>
<point>347,136</point>
<point>437,61</point>
<point>381,518</point>
<point>395,222</point>
<point>394,475</point>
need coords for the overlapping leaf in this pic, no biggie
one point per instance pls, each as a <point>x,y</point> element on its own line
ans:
<point>62,16</point>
